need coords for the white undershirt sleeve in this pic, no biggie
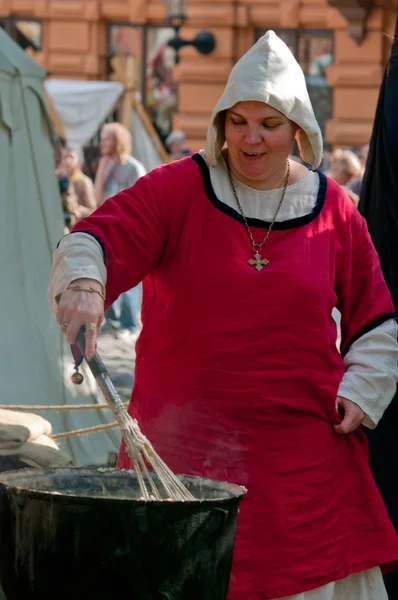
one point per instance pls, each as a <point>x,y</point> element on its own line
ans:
<point>371,371</point>
<point>78,256</point>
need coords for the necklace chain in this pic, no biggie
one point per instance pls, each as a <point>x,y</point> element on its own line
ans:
<point>257,248</point>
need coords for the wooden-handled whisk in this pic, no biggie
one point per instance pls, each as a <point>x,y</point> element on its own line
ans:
<point>155,478</point>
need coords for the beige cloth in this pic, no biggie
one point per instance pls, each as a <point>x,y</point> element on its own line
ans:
<point>90,265</point>
<point>366,585</point>
<point>269,73</point>
<point>26,435</point>
<point>43,453</point>
<point>17,427</point>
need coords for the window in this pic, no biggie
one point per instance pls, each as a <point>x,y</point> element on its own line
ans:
<point>127,45</point>
<point>144,55</point>
<point>314,51</point>
<point>160,86</point>
<point>26,33</point>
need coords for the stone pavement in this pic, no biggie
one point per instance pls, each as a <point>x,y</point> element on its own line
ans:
<point>118,355</point>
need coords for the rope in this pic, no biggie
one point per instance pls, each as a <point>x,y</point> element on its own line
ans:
<point>60,407</point>
<point>67,434</point>
<point>58,436</point>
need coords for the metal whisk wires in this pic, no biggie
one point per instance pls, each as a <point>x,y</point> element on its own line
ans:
<point>139,448</point>
<point>142,453</point>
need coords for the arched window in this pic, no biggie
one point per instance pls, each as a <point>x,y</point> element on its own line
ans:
<point>143,50</point>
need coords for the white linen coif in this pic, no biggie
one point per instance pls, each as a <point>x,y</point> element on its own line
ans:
<point>269,73</point>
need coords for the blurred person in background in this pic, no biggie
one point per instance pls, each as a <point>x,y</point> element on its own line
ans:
<point>59,146</point>
<point>69,201</point>
<point>70,204</point>
<point>332,159</point>
<point>362,154</point>
<point>118,170</point>
<point>81,184</point>
<point>345,168</point>
<point>176,144</point>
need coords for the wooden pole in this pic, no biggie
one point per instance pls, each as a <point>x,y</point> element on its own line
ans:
<point>56,119</point>
<point>131,102</point>
<point>59,126</point>
<point>151,131</point>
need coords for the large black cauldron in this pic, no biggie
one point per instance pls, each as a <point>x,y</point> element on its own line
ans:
<point>84,534</point>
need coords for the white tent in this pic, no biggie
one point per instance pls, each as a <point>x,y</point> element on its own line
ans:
<point>144,149</point>
<point>84,105</point>
<point>35,362</point>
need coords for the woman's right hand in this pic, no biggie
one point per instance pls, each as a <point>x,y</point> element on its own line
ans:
<point>78,309</point>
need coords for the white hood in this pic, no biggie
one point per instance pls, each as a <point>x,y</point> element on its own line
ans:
<point>269,73</point>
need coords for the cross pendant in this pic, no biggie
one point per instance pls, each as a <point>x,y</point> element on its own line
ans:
<point>257,262</point>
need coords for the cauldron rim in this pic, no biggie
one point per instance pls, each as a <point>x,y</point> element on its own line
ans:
<point>235,491</point>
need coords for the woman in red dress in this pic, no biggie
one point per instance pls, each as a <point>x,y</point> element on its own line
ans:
<point>244,255</point>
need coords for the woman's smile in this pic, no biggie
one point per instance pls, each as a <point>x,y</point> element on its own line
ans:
<point>253,156</point>
<point>259,140</point>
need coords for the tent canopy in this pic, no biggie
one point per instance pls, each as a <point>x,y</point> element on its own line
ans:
<point>35,361</point>
<point>83,106</point>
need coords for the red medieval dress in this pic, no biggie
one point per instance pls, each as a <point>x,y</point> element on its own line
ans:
<point>237,370</point>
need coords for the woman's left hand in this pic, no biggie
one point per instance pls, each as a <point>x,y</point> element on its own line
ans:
<point>353,415</point>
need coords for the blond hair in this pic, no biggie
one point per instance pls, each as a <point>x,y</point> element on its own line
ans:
<point>123,138</point>
<point>349,164</point>
<point>335,156</point>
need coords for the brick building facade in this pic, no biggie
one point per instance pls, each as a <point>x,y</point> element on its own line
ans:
<point>341,45</point>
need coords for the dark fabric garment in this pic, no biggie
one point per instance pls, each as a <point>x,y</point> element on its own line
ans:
<point>383,458</point>
<point>379,194</point>
<point>379,205</point>
<point>356,187</point>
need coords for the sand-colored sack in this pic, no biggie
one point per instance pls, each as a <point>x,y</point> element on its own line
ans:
<point>43,453</point>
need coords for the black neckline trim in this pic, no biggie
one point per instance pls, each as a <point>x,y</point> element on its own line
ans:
<point>281,225</point>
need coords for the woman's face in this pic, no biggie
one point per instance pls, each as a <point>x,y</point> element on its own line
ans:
<point>71,160</point>
<point>107,143</point>
<point>260,140</point>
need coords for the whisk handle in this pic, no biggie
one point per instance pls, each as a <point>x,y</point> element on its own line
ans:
<point>101,375</point>
<point>96,365</point>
